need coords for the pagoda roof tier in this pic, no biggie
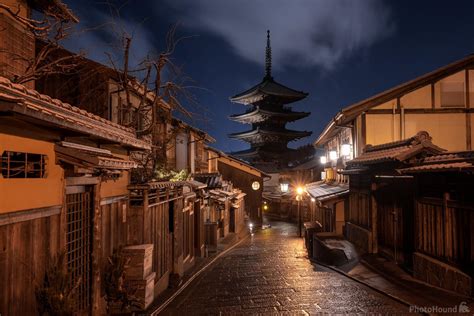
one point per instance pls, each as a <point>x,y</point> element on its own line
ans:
<point>258,152</point>
<point>259,115</point>
<point>260,135</point>
<point>268,87</point>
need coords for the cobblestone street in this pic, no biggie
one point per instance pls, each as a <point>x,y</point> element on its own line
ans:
<point>269,273</point>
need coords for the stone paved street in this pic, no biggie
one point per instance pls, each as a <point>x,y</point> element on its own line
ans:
<point>269,273</point>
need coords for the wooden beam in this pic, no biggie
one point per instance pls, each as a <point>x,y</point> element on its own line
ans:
<point>422,111</point>
<point>29,215</point>
<point>363,131</point>
<point>468,115</point>
<point>433,96</point>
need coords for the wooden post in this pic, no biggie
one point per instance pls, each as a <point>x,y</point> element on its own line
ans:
<point>96,252</point>
<point>373,213</point>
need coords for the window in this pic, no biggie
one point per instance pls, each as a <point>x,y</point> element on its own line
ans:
<point>452,94</point>
<point>23,165</point>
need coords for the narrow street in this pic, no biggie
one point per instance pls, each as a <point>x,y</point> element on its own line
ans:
<point>269,273</point>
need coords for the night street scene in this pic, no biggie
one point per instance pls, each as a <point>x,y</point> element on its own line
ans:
<point>236,157</point>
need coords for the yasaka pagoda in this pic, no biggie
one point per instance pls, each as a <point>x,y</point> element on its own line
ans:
<point>267,113</point>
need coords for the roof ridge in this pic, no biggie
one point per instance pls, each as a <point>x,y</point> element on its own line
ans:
<point>420,137</point>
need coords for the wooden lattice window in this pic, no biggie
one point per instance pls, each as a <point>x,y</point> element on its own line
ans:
<point>23,165</point>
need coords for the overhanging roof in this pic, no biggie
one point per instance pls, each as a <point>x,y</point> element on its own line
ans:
<point>323,191</point>
<point>81,156</point>
<point>347,114</point>
<point>268,87</point>
<point>18,100</point>
<point>262,133</point>
<point>259,115</point>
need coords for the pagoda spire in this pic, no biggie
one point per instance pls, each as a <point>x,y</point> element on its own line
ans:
<point>268,58</point>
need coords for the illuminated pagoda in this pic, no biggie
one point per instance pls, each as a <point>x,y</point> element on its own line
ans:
<point>268,114</point>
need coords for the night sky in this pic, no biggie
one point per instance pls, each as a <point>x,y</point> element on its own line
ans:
<point>339,51</point>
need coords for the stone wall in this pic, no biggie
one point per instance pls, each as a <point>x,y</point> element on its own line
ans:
<point>440,274</point>
<point>360,237</point>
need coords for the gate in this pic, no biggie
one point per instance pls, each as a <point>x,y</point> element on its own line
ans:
<point>79,243</point>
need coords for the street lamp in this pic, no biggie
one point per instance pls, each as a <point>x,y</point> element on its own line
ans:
<point>299,192</point>
<point>284,187</point>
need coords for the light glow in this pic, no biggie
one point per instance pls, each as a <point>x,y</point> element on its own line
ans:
<point>323,159</point>
<point>313,200</point>
<point>299,190</point>
<point>284,187</point>
<point>333,155</point>
<point>345,150</point>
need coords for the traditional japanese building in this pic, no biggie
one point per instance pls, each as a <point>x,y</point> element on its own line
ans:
<point>268,114</point>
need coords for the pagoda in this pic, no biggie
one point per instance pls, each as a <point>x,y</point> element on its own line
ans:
<point>268,114</point>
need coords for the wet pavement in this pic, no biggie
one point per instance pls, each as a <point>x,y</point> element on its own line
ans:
<point>268,273</point>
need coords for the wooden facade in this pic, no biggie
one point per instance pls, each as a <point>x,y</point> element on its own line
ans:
<point>242,176</point>
<point>77,195</point>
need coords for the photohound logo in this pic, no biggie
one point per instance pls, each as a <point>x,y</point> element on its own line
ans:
<point>461,308</point>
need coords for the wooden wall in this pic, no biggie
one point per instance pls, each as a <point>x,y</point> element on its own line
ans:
<point>243,181</point>
<point>26,250</point>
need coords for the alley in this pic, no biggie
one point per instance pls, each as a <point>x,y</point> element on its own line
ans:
<point>269,273</point>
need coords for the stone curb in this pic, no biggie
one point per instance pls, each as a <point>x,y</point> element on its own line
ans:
<point>393,297</point>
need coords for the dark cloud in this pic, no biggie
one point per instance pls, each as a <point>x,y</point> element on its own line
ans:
<point>304,32</point>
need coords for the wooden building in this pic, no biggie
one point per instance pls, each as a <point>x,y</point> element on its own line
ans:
<point>443,220</point>
<point>163,214</point>
<point>244,177</point>
<point>380,204</point>
<point>438,102</point>
<point>17,42</point>
<point>63,186</point>
<point>327,205</point>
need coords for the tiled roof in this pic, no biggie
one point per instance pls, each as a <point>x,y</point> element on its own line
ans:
<point>31,103</point>
<point>321,190</point>
<point>212,180</point>
<point>448,161</point>
<point>157,185</point>
<point>396,151</point>
<point>440,167</point>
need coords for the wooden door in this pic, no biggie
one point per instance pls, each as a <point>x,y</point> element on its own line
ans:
<point>232,220</point>
<point>395,218</point>
<point>79,216</point>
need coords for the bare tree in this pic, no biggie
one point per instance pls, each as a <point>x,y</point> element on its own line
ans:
<point>49,31</point>
<point>151,90</point>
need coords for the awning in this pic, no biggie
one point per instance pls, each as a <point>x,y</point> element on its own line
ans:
<point>197,185</point>
<point>324,192</point>
<point>90,157</point>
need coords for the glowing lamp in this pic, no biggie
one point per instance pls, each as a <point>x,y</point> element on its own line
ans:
<point>323,159</point>
<point>255,185</point>
<point>299,190</point>
<point>333,155</point>
<point>313,200</point>
<point>345,149</point>
<point>284,187</point>
<point>323,175</point>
